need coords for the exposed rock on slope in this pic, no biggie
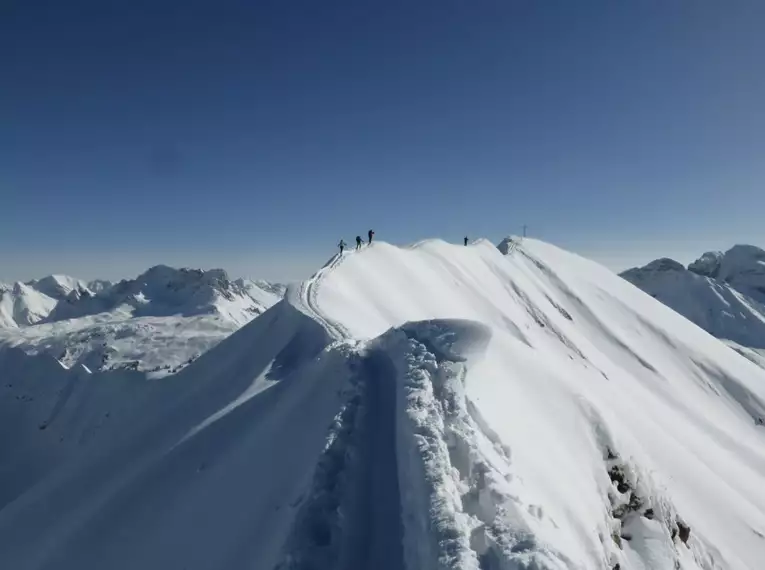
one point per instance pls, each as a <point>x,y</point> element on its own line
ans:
<point>468,411</point>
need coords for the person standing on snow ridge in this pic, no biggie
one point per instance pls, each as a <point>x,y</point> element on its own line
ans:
<point>341,245</point>
<point>371,235</point>
<point>466,240</point>
<point>358,242</point>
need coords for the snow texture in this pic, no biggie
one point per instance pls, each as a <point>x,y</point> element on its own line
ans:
<point>742,267</point>
<point>430,407</point>
<point>164,291</point>
<point>23,304</point>
<point>702,298</point>
<point>156,323</point>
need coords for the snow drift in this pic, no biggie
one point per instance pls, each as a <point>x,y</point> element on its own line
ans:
<point>431,407</point>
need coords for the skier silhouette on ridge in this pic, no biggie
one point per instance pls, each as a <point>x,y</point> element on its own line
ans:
<point>371,235</point>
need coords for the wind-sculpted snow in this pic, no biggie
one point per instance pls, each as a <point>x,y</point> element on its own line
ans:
<point>431,407</point>
<point>567,336</point>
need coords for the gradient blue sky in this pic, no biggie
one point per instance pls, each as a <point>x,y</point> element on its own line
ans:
<point>253,135</point>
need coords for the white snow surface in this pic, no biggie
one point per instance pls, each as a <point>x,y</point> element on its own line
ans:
<point>742,267</point>
<point>164,291</point>
<point>59,286</point>
<point>158,322</point>
<point>711,303</point>
<point>24,304</point>
<point>431,407</point>
<point>117,340</point>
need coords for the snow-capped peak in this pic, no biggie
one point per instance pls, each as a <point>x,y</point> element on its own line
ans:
<point>708,264</point>
<point>23,305</point>
<point>164,291</point>
<point>742,267</point>
<point>435,406</point>
<point>665,264</point>
<point>722,293</point>
<point>57,286</point>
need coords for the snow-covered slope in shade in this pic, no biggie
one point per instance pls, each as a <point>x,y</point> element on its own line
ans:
<point>756,355</point>
<point>712,304</point>
<point>742,267</point>
<point>433,407</point>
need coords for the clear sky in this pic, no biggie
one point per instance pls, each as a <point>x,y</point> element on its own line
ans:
<point>253,135</point>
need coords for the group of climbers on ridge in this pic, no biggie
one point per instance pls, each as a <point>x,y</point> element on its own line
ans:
<point>371,235</point>
<point>359,241</point>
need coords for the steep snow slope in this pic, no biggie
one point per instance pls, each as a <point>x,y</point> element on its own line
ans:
<point>593,368</point>
<point>756,355</point>
<point>198,470</point>
<point>742,267</point>
<point>713,305</point>
<point>434,407</point>
<point>22,305</point>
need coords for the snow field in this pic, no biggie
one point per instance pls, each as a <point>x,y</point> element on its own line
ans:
<point>577,338</point>
<point>431,407</point>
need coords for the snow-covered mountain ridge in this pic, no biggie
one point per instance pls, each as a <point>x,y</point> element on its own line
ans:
<point>157,323</point>
<point>432,407</point>
<point>742,267</point>
<point>24,304</point>
<point>160,291</point>
<point>164,291</point>
<point>723,293</point>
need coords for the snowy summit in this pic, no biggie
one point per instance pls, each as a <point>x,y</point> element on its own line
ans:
<point>723,293</point>
<point>430,407</point>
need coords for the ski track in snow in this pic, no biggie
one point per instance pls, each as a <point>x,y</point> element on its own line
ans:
<point>461,442</point>
<point>306,297</point>
<point>376,541</point>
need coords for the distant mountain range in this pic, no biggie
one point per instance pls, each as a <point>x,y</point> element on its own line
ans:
<point>723,293</point>
<point>157,322</point>
<point>160,291</point>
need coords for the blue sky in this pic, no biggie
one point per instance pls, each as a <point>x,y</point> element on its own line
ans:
<point>254,135</point>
